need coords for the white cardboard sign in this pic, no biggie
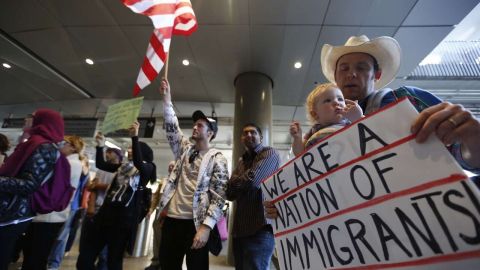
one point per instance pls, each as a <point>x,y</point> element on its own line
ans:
<point>370,197</point>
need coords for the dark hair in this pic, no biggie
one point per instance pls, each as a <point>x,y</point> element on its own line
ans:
<point>253,125</point>
<point>4,143</point>
<point>147,155</point>
<point>117,152</point>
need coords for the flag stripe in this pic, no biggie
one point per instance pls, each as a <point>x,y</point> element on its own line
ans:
<point>149,71</point>
<point>162,20</point>
<point>157,46</point>
<point>142,80</point>
<point>140,6</point>
<point>169,17</point>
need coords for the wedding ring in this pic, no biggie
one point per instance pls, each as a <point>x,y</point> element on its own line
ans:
<point>454,123</point>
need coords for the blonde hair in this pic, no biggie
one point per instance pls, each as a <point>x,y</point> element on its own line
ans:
<point>77,143</point>
<point>312,98</point>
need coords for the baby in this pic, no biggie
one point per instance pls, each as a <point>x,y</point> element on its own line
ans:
<point>328,112</point>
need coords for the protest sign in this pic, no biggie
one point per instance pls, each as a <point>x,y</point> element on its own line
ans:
<point>121,115</point>
<point>370,197</point>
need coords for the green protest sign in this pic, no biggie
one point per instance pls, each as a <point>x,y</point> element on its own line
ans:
<point>121,115</point>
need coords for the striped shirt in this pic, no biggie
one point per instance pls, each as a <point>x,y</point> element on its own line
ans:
<point>244,188</point>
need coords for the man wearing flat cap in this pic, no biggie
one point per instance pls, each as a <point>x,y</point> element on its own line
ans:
<point>194,193</point>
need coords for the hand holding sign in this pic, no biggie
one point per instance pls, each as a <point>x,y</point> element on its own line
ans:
<point>100,139</point>
<point>371,197</point>
<point>270,211</point>
<point>133,130</point>
<point>452,124</point>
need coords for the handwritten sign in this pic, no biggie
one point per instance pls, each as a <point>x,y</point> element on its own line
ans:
<point>121,115</point>
<point>370,197</point>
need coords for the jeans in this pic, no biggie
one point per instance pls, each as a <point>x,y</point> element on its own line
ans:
<point>254,252</point>
<point>58,249</point>
<point>157,237</point>
<point>77,220</point>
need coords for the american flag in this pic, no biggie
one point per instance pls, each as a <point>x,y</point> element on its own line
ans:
<point>170,17</point>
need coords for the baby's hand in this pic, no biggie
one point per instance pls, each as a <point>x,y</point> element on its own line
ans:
<point>295,129</point>
<point>352,110</point>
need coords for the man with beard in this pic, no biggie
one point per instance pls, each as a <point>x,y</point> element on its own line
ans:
<point>253,240</point>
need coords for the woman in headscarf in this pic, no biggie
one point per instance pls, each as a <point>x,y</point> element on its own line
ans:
<point>119,215</point>
<point>45,229</point>
<point>31,164</point>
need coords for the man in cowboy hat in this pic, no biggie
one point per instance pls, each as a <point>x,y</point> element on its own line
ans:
<point>362,68</point>
<point>194,193</point>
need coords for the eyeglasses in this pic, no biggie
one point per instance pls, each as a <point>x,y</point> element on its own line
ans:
<point>192,156</point>
<point>62,144</point>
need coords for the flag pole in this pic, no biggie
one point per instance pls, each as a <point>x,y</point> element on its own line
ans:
<point>165,68</point>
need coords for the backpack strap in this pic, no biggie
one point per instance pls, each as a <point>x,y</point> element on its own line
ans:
<point>206,162</point>
<point>375,100</point>
<point>416,101</point>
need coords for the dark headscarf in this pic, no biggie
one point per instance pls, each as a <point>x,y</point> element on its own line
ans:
<point>147,152</point>
<point>47,127</point>
<point>147,156</point>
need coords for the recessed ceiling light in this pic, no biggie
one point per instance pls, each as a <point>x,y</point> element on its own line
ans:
<point>185,62</point>
<point>297,65</point>
<point>89,61</point>
<point>5,65</point>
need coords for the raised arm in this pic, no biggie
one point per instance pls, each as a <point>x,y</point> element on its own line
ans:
<point>175,136</point>
<point>100,162</point>
<point>146,168</point>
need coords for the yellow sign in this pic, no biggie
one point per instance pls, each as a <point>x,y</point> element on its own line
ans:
<point>121,115</point>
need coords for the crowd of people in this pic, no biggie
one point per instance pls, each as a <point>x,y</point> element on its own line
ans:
<point>189,201</point>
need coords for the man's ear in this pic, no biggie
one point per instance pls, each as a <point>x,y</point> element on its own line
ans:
<point>378,74</point>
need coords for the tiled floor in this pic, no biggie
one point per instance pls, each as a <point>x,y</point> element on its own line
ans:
<point>130,263</point>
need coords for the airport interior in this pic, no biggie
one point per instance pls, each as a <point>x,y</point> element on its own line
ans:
<point>247,57</point>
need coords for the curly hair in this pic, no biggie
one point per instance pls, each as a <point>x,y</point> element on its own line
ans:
<point>4,144</point>
<point>312,99</point>
<point>77,143</point>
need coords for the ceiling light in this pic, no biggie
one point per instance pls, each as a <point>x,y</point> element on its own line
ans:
<point>185,62</point>
<point>5,65</point>
<point>89,61</point>
<point>297,65</point>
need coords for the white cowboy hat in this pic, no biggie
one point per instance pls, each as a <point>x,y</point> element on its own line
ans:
<point>385,50</point>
